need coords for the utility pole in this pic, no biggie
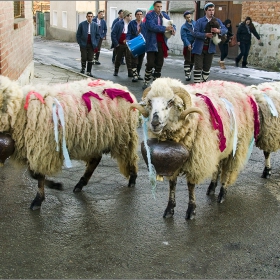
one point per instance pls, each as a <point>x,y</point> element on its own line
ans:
<point>96,7</point>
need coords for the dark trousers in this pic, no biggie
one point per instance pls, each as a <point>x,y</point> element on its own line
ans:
<point>87,57</point>
<point>244,51</point>
<point>122,50</point>
<point>155,59</point>
<point>97,50</point>
<point>136,62</point>
<point>203,61</point>
<point>224,51</point>
<point>188,56</point>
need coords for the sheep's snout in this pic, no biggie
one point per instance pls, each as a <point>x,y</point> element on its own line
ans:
<point>155,123</point>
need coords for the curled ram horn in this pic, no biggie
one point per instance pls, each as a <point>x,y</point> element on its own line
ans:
<point>185,96</point>
<point>140,108</point>
<point>145,92</point>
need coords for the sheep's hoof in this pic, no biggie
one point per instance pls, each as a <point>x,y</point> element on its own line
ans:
<point>211,188</point>
<point>222,195</point>
<point>169,211</point>
<point>37,202</point>
<point>266,173</point>
<point>80,185</point>
<point>190,214</point>
<point>132,181</point>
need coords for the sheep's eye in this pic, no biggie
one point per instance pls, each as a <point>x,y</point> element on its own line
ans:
<point>170,103</point>
<point>149,102</point>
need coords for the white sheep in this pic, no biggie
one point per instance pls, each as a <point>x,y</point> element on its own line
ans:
<point>177,113</point>
<point>267,96</point>
<point>101,126</point>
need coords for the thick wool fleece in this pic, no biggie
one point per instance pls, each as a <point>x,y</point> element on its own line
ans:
<point>269,137</point>
<point>197,132</point>
<point>110,126</point>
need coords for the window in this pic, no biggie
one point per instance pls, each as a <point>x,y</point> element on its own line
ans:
<point>18,9</point>
<point>55,18</point>
<point>64,19</point>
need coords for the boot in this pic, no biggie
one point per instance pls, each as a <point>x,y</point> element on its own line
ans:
<point>148,74</point>
<point>135,75</point>
<point>83,68</point>
<point>205,76</point>
<point>96,57</point>
<point>89,66</point>
<point>116,72</point>
<point>236,63</point>
<point>187,70</point>
<point>244,63</point>
<point>196,76</point>
<point>222,65</point>
<point>156,75</point>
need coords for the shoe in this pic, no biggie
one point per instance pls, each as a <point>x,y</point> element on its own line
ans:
<point>97,62</point>
<point>135,80</point>
<point>145,85</point>
<point>82,71</point>
<point>89,74</point>
<point>244,66</point>
<point>115,73</point>
<point>140,78</point>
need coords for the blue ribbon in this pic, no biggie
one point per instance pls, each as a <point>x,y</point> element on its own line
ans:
<point>271,105</point>
<point>152,170</point>
<point>59,108</point>
<point>231,113</point>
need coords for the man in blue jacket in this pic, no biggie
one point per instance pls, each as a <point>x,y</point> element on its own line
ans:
<point>102,26</point>
<point>203,47</point>
<point>187,36</point>
<point>156,42</point>
<point>87,37</point>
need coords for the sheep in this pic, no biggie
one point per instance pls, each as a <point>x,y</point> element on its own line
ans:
<point>268,99</point>
<point>92,127</point>
<point>177,112</point>
<point>217,38</point>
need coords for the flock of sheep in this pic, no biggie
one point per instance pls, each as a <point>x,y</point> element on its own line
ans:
<point>218,122</point>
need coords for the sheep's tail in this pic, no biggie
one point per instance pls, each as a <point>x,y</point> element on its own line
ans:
<point>152,170</point>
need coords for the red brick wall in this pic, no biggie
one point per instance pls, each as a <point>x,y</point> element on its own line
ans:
<point>262,11</point>
<point>16,40</point>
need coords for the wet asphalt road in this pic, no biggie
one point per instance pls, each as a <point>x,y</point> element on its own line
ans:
<point>111,231</point>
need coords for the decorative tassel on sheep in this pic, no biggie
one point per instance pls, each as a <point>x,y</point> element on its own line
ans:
<point>152,170</point>
<point>57,107</point>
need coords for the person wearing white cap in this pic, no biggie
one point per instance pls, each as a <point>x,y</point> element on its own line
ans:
<point>203,47</point>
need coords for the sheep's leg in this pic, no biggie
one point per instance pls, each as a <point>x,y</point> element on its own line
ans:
<point>169,211</point>
<point>40,196</point>
<point>267,169</point>
<point>191,207</point>
<point>91,166</point>
<point>214,182</point>
<point>132,177</point>
<point>222,194</point>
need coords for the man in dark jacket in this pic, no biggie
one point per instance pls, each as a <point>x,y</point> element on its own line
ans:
<point>87,37</point>
<point>156,42</point>
<point>102,26</point>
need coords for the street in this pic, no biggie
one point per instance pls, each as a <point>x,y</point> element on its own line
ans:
<point>112,231</point>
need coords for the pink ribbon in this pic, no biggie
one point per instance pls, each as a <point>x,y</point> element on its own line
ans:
<point>216,120</point>
<point>113,93</point>
<point>38,95</point>
<point>256,117</point>
<point>86,97</point>
<point>96,83</point>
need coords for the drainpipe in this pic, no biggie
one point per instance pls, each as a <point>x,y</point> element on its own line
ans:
<point>96,7</point>
<point>167,6</point>
<point>197,10</point>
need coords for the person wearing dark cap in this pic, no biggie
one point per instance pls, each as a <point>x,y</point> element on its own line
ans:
<point>156,42</point>
<point>118,37</point>
<point>99,19</point>
<point>120,17</point>
<point>244,36</point>
<point>187,37</point>
<point>223,46</point>
<point>135,27</point>
<point>203,47</point>
<point>87,37</point>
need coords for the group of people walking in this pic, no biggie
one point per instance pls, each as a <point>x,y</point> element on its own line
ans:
<point>198,50</point>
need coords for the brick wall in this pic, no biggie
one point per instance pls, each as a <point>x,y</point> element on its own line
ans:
<point>16,41</point>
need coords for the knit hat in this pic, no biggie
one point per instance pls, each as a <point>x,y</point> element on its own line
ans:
<point>207,5</point>
<point>126,13</point>
<point>187,13</point>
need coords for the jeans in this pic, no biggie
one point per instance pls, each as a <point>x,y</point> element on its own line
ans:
<point>224,51</point>
<point>244,51</point>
